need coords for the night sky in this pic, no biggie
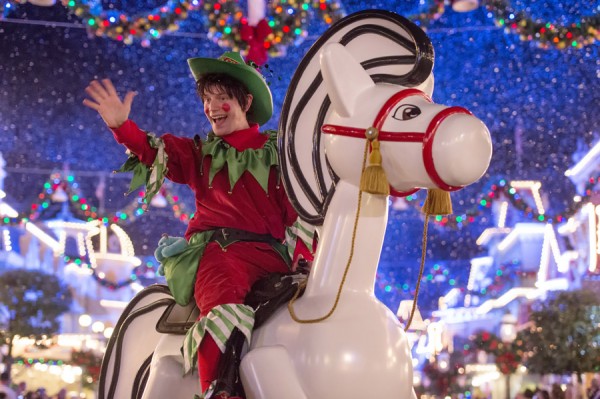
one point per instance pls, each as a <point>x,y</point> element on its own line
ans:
<point>540,105</point>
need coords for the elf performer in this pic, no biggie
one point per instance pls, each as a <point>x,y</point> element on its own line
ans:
<point>244,226</point>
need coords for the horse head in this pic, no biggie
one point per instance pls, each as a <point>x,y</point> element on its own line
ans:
<point>423,144</point>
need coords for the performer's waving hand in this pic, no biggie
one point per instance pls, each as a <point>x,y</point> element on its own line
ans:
<point>106,101</point>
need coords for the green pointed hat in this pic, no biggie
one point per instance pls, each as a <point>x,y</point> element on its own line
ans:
<point>231,63</point>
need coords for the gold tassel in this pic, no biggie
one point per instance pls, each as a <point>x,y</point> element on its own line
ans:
<point>438,202</point>
<point>373,179</point>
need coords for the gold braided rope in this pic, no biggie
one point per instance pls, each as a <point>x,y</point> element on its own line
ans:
<point>422,267</point>
<point>339,292</point>
<point>346,270</point>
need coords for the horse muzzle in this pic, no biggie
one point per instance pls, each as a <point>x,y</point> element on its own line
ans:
<point>455,146</point>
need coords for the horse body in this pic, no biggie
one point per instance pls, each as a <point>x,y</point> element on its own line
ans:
<point>362,341</point>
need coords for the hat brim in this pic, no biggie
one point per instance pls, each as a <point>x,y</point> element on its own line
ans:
<point>261,108</point>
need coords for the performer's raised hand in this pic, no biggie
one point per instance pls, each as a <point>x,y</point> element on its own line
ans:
<point>105,99</point>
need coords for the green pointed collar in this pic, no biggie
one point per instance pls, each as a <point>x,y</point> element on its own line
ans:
<point>256,161</point>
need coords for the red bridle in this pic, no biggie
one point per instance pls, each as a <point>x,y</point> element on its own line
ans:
<point>408,137</point>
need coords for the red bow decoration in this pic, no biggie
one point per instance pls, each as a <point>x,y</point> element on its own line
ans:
<point>255,36</point>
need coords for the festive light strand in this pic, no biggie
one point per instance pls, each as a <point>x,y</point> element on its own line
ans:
<point>225,20</point>
<point>502,190</point>
<point>288,20</point>
<point>81,208</point>
<point>136,273</point>
<point>545,34</point>
<point>115,24</point>
<point>119,26</point>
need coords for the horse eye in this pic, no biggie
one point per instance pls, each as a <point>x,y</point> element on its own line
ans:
<point>406,112</point>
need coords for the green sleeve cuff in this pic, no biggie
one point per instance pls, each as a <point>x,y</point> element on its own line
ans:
<point>152,177</point>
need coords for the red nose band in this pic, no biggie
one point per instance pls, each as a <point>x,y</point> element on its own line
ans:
<point>426,137</point>
<point>226,107</point>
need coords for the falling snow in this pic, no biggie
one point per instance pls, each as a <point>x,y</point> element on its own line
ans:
<point>541,107</point>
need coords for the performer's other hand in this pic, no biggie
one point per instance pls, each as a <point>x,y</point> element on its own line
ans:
<point>105,100</point>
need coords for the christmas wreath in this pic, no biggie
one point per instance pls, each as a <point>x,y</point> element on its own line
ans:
<point>507,356</point>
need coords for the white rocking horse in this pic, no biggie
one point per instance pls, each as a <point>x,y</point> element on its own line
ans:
<point>370,70</point>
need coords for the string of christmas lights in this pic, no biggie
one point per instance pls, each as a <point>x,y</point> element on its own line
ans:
<point>438,273</point>
<point>288,20</point>
<point>497,191</point>
<point>136,273</point>
<point>118,25</point>
<point>503,190</point>
<point>61,188</point>
<point>545,34</point>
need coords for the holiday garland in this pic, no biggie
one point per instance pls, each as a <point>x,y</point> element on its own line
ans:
<point>69,189</point>
<point>80,206</point>
<point>497,191</point>
<point>90,362</point>
<point>438,273</point>
<point>120,26</point>
<point>507,355</point>
<point>288,20</point>
<point>502,190</point>
<point>546,34</point>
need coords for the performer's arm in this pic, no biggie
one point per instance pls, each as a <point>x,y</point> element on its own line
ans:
<point>181,152</point>
<point>173,152</point>
<point>136,141</point>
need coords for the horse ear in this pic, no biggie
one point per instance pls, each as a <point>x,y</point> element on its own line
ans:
<point>427,86</point>
<point>344,77</point>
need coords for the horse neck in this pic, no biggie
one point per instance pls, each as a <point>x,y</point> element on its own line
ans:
<point>335,243</point>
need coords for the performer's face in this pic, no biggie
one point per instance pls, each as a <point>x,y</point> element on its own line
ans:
<point>225,113</point>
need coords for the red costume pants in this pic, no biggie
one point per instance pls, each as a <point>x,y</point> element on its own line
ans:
<point>224,277</point>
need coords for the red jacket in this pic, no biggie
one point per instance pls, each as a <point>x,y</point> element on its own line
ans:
<point>246,207</point>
